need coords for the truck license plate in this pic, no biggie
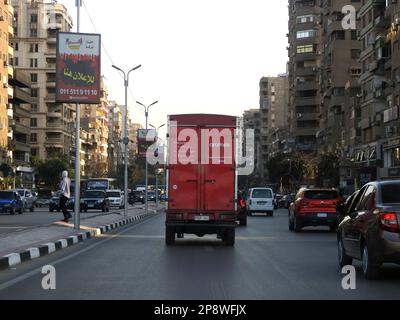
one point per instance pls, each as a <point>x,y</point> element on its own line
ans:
<point>322,215</point>
<point>202,218</point>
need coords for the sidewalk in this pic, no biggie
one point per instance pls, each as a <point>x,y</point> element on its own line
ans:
<point>33,243</point>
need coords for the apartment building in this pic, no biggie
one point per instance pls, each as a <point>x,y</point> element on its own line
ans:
<point>95,121</point>
<point>6,72</point>
<point>252,119</point>
<point>274,104</point>
<point>390,118</point>
<point>52,125</point>
<point>115,135</point>
<point>133,137</point>
<point>305,57</point>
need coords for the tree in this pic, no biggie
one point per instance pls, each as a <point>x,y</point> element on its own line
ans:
<point>328,174</point>
<point>50,171</point>
<point>287,169</point>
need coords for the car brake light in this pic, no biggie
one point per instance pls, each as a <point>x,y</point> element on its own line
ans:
<point>389,222</point>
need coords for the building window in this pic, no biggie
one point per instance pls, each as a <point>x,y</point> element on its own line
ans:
<point>33,137</point>
<point>34,77</point>
<point>305,49</point>
<point>34,47</point>
<point>306,34</point>
<point>305,19</point>
<point>33,32</point>
<point>34,63</point>
<point>34,18</point>
<point>355,53</point>
<point>33,123</point>
<point>34,152</point>
<point>34,107</point>
<point>34,92</point>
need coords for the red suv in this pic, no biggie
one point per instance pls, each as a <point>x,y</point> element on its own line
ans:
<point>314,207</point>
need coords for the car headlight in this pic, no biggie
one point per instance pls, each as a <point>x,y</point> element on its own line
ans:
<point>7,206</point>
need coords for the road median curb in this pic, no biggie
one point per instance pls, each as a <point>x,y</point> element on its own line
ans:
<point>14,259</point>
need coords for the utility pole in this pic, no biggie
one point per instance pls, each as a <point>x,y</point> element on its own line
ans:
<point>157,130</point>
<point>126,134</point>
<point>77,217</point>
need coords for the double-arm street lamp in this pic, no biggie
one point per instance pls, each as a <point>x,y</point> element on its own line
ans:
<point>146,112</point>
<point>157,130</point>
<point>126,134</point>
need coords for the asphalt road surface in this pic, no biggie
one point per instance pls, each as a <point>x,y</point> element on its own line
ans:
<point>268,262</point>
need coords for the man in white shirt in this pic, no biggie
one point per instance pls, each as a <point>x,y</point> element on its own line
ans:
<point>65,186</point>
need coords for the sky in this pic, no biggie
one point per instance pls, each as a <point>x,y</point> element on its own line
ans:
<point>197,56</point>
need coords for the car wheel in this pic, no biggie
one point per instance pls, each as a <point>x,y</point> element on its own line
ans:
<point>21,211</point>
<point>12,212</point>
<point>103,208</point>
<point>291,224</point>
<point>371,268</point>
<point>86,210</point>
<point>343,258</point>
<point>333,228</point>
<point>297,224</point>
<point>270,214</point>
<point>169,236</point>
<point>33,208</point>
<point>51,210</point>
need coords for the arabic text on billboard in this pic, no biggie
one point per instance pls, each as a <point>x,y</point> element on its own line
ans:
<point>78,68</point>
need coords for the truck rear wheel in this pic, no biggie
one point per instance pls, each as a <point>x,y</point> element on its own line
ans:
<point>229,237</point>
<point>243,221</point>
<point>169,236</point>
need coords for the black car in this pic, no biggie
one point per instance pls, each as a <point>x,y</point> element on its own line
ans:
<point>369,230</point>
<point>136,196</point>
<point>54,203</point>
<point>285,201</point>
<point>95,200</point>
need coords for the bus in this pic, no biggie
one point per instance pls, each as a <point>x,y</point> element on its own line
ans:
<point>101,184</point>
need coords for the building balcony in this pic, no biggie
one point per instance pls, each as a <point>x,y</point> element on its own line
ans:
<point>306,101</point>
<point>367,52</point>
<point>54,114</point>
<point>306,131</point>
<point>50,97</point>
<point>368,5</point>
<point>21,96</point>
<point>21,129</point>
<point>366,29</point>
<point>305,56</point>
<point>52,39</point>
<point>307,117</point>
<point>306,71</point>
<point>22,147</point>
<point>306,86</point>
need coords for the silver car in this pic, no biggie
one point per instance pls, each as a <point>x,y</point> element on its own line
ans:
<point>28,199</point>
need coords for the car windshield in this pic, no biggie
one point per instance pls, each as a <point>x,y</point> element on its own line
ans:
<point>6,195</point>
<point>391,193</point>
<point>151,194</point>
<point>262,194</point>
<point>21,193</point>
<point>93,195</point>
<point>114,194</point>
<point>321,195</point>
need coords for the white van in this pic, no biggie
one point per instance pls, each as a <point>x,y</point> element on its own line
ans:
<point>260,200</point>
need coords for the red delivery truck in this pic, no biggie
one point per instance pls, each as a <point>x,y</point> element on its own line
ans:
<point>202,177</point>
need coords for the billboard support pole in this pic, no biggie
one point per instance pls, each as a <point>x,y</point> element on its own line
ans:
<point>77,218</point>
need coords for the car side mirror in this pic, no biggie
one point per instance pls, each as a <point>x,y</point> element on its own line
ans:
<point>353,215</point>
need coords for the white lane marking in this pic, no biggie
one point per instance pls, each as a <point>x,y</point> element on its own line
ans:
<point>33,273</point>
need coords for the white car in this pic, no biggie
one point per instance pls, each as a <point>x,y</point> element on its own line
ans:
<point>116,198</point>
<point>260,200</point>
<point>28,199</point>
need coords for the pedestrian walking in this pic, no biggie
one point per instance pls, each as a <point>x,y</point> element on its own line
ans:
<point>65,190</point>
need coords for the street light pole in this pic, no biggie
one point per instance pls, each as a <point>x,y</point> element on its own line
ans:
<point>157,130</point>
<point>126,134</point>
<point>77,209</point>
<point>146,112</point>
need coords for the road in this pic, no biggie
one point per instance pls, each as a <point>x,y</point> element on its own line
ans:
<point>41,217</point>
<point>268,262</point>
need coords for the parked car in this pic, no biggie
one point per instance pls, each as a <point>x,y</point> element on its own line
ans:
<point>71,204</point>
<point>286,201</point>
<point>28,199</point>
<point>95,200</point>
<point>314,207</point>
<point>43,201</point>
<point>260,200</point>
<point>54,204</point>
<point>370,229</point>
<point>136,196</point>
<point>164,197</point>
<point>151,196</point>
<point>277,199</point>
<point>116,198</point>
<point>11,202</point>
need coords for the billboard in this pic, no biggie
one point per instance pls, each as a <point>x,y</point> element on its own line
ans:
<point>78,68</point>
<point>146,138</point>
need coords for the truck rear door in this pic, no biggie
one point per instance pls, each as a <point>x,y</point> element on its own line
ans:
<point>218,180</point>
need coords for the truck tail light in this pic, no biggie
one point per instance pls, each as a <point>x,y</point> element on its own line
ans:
<point>389,222</point>
<point>175,216</point>
<point>227,217</point>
